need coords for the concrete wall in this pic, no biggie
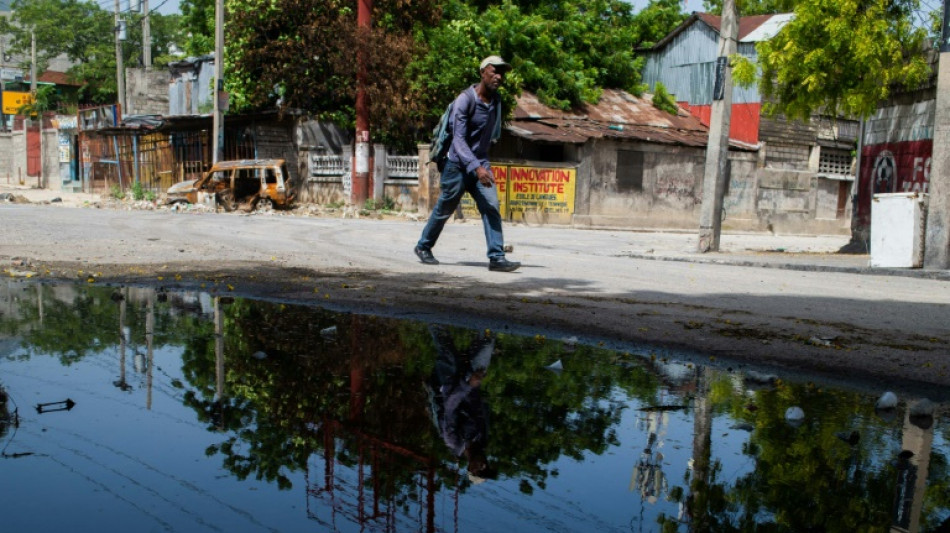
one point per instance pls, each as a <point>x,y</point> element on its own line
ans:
<point>52,177</point>
<point>7,169</point>
<point>146,91</point>
<point>665,194</point>
<point>17,169</point>
<point>668,192</point>
<point>742,191</point>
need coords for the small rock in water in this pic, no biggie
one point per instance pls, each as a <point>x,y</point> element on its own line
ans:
<point>259,355</point>
<point>888,400</point>
<point>794,415</point>
<point>924,407</point>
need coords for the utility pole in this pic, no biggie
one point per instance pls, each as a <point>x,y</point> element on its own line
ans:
<point>146,36</point>
<point>3,83</point>
<point>119,67</point>
<point>937,244</point>
<point>218,121</point>
<point>361,180</point>
<point>40,178</point>
<point>717,147</point>
<point>33,64</point>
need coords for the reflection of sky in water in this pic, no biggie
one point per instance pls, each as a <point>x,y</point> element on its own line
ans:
<point>114,464</point>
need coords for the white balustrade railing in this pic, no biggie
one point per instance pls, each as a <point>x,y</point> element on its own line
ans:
<point>402,166</point>
<point>327,166</point>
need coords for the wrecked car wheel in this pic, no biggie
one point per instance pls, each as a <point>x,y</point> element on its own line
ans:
<point>265,204</point>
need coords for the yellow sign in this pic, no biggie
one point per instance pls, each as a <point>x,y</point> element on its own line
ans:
<point>540,194</point>
<point>13,101</point>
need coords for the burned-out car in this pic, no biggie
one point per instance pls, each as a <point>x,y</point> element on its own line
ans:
<point>246,184</point>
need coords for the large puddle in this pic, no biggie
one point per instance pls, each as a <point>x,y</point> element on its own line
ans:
<point>134,410</point>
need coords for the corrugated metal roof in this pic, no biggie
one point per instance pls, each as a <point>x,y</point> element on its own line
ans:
<point>752,28</point>
<point>618,115</point>
<point>769,28</point>
<point>749,27</point>
<point>53,76</point>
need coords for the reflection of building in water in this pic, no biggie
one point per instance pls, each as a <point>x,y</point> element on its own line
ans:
<point>912,466</point>
<point>356,493</point>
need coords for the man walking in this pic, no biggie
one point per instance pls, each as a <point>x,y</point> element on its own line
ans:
<point>476,122</point>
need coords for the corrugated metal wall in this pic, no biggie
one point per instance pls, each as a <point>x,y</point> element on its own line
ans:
<point>685,67</point>
<point>189,92</point>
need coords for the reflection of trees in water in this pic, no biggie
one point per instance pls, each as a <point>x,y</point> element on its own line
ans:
<point>74,321</point>
<point>808,478</point>
<point>536,416</point>
<point>367,381</point>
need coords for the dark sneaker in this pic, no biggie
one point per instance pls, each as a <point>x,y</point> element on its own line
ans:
<point>503,265</point>
<point>425,256</point>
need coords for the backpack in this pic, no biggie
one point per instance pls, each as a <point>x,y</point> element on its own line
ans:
<point>442,139</point>
<point>442,134</point>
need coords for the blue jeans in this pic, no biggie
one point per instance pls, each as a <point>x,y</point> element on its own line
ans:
<point>454,182</point>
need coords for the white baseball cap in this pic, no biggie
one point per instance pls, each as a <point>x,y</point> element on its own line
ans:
<point>495,61</point>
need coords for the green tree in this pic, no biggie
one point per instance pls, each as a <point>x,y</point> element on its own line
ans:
<point>44,100</point>
<point>657,20</point>
<point>308,60</point>
<point>839,58</point>
<point>197,21</point>
<point>563,52</point>
<point>421,54</point>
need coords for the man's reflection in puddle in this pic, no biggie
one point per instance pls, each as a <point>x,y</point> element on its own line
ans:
<point>456,400</point>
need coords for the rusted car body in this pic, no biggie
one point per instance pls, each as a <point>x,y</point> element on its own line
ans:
<point>246,184</point>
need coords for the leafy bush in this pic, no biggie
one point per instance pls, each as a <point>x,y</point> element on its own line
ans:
<point>116,192</point>
<point>663,101</point>
<point>138,193</point>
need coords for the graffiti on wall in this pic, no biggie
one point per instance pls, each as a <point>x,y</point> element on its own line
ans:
<point>676,187</point>
<point>893,167</point>
<point>895,157</point>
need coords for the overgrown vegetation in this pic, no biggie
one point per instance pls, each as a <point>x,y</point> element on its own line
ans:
<point>835,58</point>
<point>138,193</point>
<point>423,53</point>
<point>386,204</point>
<point>663,101</point>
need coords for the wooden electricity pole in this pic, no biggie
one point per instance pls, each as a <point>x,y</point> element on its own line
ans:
<point>360,184</point>
<point>717,147</point>
<point>119,67</point>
